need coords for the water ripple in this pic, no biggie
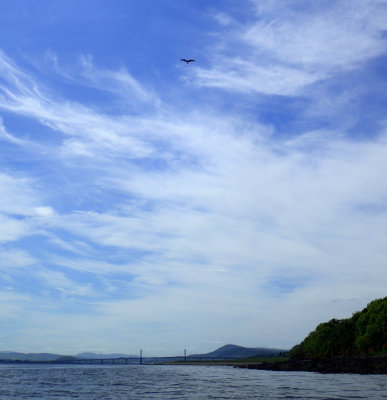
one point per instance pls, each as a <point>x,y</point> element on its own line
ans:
<point>180,382</point>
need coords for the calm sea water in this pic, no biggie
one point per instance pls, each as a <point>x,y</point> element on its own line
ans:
<point>106,382</point>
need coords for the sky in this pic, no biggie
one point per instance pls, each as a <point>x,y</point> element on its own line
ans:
<point>146,203</point>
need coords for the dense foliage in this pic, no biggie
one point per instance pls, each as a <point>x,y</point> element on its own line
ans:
<point>364,333</point>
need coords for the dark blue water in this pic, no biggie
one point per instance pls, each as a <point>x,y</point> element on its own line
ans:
<point>106,382</point>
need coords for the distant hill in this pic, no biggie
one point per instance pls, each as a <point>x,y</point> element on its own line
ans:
<point>13,355</point>
<point>364,333</point>
<point>233,351</point>
<point>66,358</point>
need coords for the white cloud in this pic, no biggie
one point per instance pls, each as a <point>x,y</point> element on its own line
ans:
<point>56,280</point>
<point>86,264</point>
<point>246,76</point>
<point>44,211</point>
<point>321,37</point>
<point>286,49</point>
<point>91,132</point>
<point>15,258</point>
<point>256,217</point>
<point>17,194</point>
<point>20,203</point>
<point>223,19</point>
<point>12,307</point>
<point>12,229</point>
<point>119,82</point>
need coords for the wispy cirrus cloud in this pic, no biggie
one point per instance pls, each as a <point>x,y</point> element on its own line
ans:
<point>284,49</point>
<point>318,37</point>
<point>230,184</point>
<point>119,82</point>
<point>15,258</point>
<point>88,130</point>
<point>67,287</point>
<point>20,204</point>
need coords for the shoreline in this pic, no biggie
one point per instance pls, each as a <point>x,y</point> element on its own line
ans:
<point>334,365</point>
<point>228,363</point>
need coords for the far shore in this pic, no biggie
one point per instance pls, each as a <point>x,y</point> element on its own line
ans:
<point>231,362</point>
<point>220,363</point>
<point>333,365</point>
<point>351,365</point>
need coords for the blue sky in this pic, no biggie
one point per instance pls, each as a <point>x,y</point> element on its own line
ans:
<point>146,203</point>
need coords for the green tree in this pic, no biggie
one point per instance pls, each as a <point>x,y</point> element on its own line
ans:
<point>364,332</point>
<point>371,327</point>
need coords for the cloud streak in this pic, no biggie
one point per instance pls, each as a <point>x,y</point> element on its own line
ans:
<point>285,50</point>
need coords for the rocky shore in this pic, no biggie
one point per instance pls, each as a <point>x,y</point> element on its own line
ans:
<point>350,365</point>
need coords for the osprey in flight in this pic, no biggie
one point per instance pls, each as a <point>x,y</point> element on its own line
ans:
<point>187,61</point>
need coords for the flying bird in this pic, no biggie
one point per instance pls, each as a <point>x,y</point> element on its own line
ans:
<point>187,61</point>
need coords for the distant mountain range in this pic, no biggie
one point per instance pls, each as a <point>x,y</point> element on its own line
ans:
<point>12,355</point>
<point>229,351</point>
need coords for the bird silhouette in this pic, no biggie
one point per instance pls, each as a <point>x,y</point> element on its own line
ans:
<point>187,61</point>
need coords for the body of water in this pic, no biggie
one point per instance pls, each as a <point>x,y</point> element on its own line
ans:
<point>113,382</point>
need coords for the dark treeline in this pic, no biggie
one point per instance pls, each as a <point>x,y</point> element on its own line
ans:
<point>364,333</point>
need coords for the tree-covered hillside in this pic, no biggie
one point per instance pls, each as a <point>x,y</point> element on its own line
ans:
<point>364,333</point>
